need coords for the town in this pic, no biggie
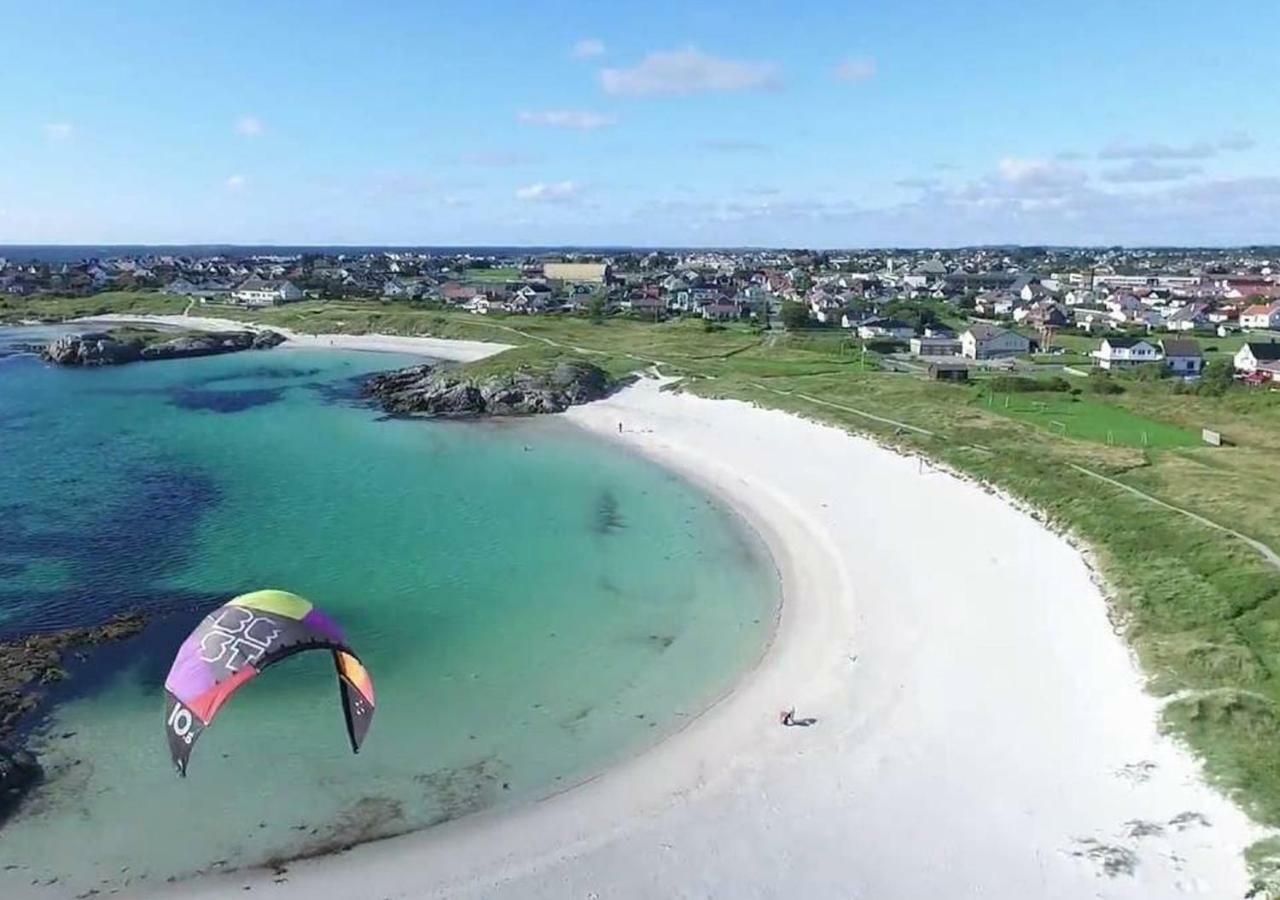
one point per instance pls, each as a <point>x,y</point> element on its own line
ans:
<point>948,310</point>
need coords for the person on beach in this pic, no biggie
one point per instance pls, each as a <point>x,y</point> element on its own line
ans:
<point>788,716</point>
<point>619,428</point>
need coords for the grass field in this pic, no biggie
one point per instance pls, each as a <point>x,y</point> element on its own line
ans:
<point>500,273</point>
<point>1200,608</point>
<point>1090,420</point>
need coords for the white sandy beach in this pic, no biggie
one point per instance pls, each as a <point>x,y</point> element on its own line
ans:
<point>453,350</point>
<point>981,731</point>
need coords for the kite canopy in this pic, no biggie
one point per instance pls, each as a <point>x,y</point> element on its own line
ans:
<point>237,641</point>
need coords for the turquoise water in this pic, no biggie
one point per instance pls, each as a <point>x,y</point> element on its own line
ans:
<point>532,603</point>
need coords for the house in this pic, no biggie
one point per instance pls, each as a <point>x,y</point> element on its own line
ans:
<point>892,329</point>
<point>722,310</point>
<point>1125,352</point>
<point>948,371</point>
<point>992,342</point>
<point>1187,318</point>
<point>931,346</point>
<point>1262,317</point>
<point>1256,356</point>
<point>255,291</point>
<point>1182,357</point>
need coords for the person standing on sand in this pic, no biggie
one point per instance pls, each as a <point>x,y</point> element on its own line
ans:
<point>619,428</point>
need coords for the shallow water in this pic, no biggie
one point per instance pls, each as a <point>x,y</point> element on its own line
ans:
<point>532,603</point>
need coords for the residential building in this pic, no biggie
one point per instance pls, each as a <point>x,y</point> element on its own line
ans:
<point>1263,317</point>
<point>1182,357</point>
<point>992,342</point>
<point>1126,352</point>
<point>1257,356</point>
<point>258,292</point>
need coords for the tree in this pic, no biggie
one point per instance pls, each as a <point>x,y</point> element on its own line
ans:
<point>595,309</point>
<point>794,315</point>
<point>1217,378</point>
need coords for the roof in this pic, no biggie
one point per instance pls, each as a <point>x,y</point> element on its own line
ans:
<point>1261,309</point>
<point>1125,341</point>
<point>986,332</point>
<point>1180,347</point>
<point>1269,351</point>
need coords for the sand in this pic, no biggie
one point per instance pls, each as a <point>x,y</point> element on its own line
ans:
<point>435,348</point>
<point>981,730</point>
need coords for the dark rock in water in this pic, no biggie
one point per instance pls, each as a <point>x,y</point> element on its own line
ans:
<point>19,772</point>
<point>131,345</point>
<point>25,665</point>
<point>426,390</point>
<point>37,659</point>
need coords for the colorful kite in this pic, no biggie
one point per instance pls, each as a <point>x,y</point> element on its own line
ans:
<point>237,641</point>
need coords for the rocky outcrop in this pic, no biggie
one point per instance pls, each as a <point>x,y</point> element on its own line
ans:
<point>36,660</point>
<point>125,346</point>
<point>26,665</point>
<point>427,390</point>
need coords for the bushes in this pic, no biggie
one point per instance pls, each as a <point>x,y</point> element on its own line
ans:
<point>1102,383</point>
<point>1018,384</point>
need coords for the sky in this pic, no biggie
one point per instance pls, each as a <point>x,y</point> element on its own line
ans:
<point>841,123</point>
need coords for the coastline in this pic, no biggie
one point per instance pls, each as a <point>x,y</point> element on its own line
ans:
<point>981,728</point>
<point>434,348</point>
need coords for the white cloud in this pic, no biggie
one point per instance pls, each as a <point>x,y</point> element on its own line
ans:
<point>235,183</point>
<point>59,131</point>
<point>1037,174</point>
<point>856,69</point>
<point>567,118</point>
<point>587,48</point>
<point>1145,170</point>
<point>249,126</point>
<point>550,192</point>
<point>688,71</point>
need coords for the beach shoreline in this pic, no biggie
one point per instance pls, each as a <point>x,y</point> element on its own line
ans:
<point>433,348</point>
<point>964,742</point>
<point>981,726</point>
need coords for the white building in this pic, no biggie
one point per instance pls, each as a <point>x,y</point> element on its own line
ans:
<point>990,342</point>
<point>1125,352</point>
<point>257,292</point>
<point>1264,318</point>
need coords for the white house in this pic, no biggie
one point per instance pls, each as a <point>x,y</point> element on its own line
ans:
<point>990,342</point>
<point>935,346</point>
<point>257,292</point>
<point>1262,317</point>
<point>1256,356</point>
<point>1124,352</point>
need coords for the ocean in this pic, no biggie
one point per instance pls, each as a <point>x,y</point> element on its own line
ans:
<point>533,604</point>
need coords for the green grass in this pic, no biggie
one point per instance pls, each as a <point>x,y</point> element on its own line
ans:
<point>1201,609</point>
<point>57,309</point>
<point>500,273</point>
<point>1089,420</point>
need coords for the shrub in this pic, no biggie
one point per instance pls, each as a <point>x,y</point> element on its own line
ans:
<point>1018,384</point>
<point>1101,383</point>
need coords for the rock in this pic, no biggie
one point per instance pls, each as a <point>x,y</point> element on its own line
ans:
<point>37,660</point>
<point>426,390</point>
<point>19,771</point>
<point>126,346</point>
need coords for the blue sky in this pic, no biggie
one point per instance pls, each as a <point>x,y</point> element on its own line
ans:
<point>831,124</point>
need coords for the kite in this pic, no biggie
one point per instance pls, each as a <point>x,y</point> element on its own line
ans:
<point>238,640</point>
